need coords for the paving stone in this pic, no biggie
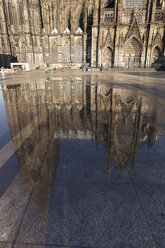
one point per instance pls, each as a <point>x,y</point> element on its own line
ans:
<point>112,217</point>
<point>152,198</point>
<point>82,162</point>
<point>32,226</point>
<point>150,172</point>
<point>7,173</point>
<point>5,245</point>
<point>65,215</point>
<point>72,160</point>
<point>57,221</point>
<point>12,204</point>
<point>83,207</point>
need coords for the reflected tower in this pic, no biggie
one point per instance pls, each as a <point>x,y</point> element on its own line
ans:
<point>42,114</point>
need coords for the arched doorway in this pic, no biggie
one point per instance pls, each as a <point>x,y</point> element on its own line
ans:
<point>132,53</point>
<point>156,60</point>
<point>156,54</point>
<point>107,58</point>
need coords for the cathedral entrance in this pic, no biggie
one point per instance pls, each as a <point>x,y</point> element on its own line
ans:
<point>132,54</point>
<point>156,60</point>
<point>107,58</point>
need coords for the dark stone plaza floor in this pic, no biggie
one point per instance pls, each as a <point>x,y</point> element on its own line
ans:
<point>82,160</point>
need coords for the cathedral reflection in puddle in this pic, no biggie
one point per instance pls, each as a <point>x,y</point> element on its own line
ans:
<point>78,146</point>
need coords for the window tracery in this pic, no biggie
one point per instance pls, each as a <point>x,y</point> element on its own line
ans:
<point>133,4</point>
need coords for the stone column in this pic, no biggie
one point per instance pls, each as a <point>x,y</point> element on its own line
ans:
<point>151,20</point>
<point>85,13</point>
<point>93,96</point>
<point>118,20</point>
<point>72,59</point>
<point>94,45</point>
<point>95,34</point>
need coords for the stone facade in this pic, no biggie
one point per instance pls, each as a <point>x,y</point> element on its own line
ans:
<point>68,33</point>
<point>20,32</point>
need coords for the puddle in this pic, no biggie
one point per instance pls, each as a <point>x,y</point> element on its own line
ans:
<point>67,137</point>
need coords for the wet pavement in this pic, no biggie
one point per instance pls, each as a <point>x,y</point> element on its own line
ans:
<point>82,162</point>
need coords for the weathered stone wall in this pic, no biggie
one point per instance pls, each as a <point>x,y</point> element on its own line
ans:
<point>68,33</point>
<point>20,31</point>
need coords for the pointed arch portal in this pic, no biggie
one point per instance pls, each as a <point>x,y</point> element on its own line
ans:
<point>107,58</point>
<point>132,53</point>
<point>156,54</point>
<point>157,59</point>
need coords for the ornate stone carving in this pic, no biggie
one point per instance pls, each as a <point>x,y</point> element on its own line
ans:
<point>133,31</point>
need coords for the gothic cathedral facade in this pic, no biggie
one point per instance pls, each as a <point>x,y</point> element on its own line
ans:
<point>68,33</point>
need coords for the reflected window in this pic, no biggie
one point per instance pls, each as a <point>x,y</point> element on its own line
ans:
<point>79,92</point>
<point>67,92</point>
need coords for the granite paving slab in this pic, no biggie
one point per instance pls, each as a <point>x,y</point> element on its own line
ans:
<point>65,215</point>
<point>152,198</point>
<point>12,205</point>
<point>32,226</point>
<point>7,173</point>
<point>113,217</point>
<point>149,172</point>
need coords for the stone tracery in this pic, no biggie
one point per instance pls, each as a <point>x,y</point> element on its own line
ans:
<point>36,21</point>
